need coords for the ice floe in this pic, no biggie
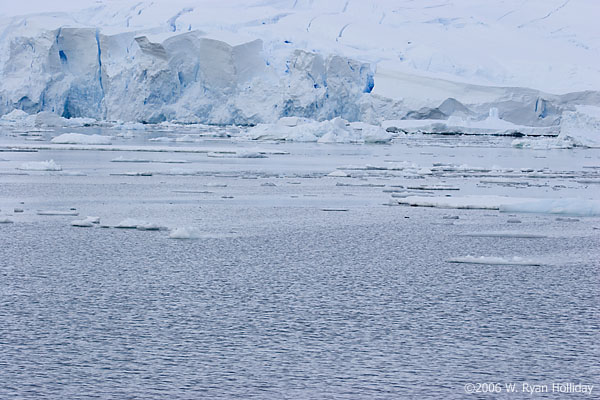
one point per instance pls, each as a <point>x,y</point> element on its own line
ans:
<point>494,261</point>
<point>574,206</point>
<point>58,212</point>
<point>4,220</point>
<point>79,138</point>
<point>87,222</point>
<point>132,223</point>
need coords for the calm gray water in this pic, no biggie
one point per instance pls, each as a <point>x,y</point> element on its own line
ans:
<point>362,310</point>
<point>281,299</point>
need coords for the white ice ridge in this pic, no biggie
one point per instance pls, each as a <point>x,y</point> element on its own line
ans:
<point>79,138</point>
<point>49,165</point>
<point>571,206</point>
<point>255,61</point>
<point>494,260</point>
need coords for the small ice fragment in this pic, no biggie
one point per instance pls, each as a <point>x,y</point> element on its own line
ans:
<point>18,210</point>
<point>334,209</point>
<point>149,226</point>
<point>130,223</point>
<point>88,222</point>
<point>5,220</point>
<point>450,217</point>
<point>338,174</point>
<point>78,138</point>
<point>57,212</point>
<point>513,221</point>
<point>268,184</point>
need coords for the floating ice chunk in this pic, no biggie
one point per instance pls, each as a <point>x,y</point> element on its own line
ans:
<point>4,220</point>
<point>432,187</point>
<point>78,138</point>
<point>49,165</point>
<point>18,210</point>
<point>162,139</point>
<point>335,209</point>
<point>57,212</point>
<point>185,233</point>
<point>87,222</point>
<point>566,219</point>
<point>494,261</point>
<point>513,221</point>
<point>467,202</point>
<point>148,226</point>
<point>130,223</point>
<point>250,154</point>
<point>338,174</point>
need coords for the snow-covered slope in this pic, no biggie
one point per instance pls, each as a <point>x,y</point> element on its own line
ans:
<point>258,60</point>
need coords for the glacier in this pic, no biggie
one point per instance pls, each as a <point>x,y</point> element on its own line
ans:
<point>454,66</point>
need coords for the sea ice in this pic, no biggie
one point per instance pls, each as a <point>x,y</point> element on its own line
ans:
<point>494,260</point>
<point>78,138</point>
<point>87,222</point>
<point>57,212</point>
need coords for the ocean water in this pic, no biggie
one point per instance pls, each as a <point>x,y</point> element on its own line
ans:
<point>280,298</point>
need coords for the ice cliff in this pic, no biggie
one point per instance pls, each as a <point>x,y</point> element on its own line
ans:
<point>256,62</point>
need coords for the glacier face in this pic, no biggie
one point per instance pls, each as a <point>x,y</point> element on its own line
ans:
<point>207,61</point>
<point>188,77</point>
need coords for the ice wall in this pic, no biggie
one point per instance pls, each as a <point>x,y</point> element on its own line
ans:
<point>78,72</point>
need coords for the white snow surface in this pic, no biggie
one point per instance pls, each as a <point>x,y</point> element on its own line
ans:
<point>255,61</point>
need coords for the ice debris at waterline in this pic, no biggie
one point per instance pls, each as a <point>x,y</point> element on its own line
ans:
<point>494,261</point>
<point>336,130</point>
